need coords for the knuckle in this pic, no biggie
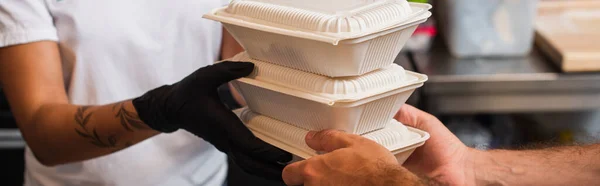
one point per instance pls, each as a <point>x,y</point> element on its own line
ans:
<point>313,161</point>
<point>362,140</point>
<point>308,172</point>
<point>429,119</point>
<point>286,171</point>
<point>311,169</point>
<point>353,138</point>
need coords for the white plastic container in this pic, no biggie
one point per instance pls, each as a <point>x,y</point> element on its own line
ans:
<point>490,28</point>
<point>368,18</point>
<point>328,45</point>
<point>396,137</point>
<point>329,6</point>
<point>356,105</point>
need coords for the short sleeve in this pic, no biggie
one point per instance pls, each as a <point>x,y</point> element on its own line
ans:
<point>25,21</point>
<point>225,2</point>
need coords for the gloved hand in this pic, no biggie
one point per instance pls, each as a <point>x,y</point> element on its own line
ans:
<point>193,104</point>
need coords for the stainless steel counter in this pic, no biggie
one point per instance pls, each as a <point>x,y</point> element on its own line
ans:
<point>10,137</point>
<point>502,85</point>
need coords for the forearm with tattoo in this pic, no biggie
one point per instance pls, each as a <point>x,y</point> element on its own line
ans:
<point>82,118</point>
<point>69,133</point>
<point>56,130</point>
<point>128,119</point>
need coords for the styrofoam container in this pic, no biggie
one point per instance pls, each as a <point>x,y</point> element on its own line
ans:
<point>325,45</point>
<point>371,17</point>
<point>329,6</point>
<point>396,137</point>
<point>357,104</point>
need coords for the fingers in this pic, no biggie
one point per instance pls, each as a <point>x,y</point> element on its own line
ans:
<point>224,72</point>
<point>292,174</point>
<point>241,137</point>
<point>329,140</point>
<point>259,149</point>
<point>414,117</point>
<point>251,154</point>
<point>250,165</point>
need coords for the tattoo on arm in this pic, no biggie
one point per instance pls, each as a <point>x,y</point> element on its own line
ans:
<point>82,118</point>
<point>129,119</point>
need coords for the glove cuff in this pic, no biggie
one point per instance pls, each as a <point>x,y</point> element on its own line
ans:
<point>149,108</point>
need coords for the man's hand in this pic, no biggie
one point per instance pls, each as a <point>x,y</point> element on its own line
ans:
<point>443,158</point>
<point>351,160</point>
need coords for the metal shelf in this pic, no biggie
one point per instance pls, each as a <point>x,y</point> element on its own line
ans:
<point>11,138</point>
<point>503,85</point>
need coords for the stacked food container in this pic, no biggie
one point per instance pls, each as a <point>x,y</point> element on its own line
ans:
<point>325,65</point>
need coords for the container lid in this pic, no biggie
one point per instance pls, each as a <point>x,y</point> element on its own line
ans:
<point>327,89</point>
<point>328,27</point>
<point>327,7</point>
<point>396,137</point>
<point>381,14</point>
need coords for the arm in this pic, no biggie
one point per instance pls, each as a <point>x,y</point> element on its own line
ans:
<point>443,160</point>
<point>573,165</point>
<point>229,48</point>
<point>447,161</point>
<point>58,132</point>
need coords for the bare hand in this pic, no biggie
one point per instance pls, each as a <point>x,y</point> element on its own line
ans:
<point>351,160</point>
<point>443,158</point>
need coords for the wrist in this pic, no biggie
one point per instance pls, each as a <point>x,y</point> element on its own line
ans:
<point>458,169</point>
<point>398,175</point>
<point>472,159</point>
<point>479,161</point>
<point>150,110</point>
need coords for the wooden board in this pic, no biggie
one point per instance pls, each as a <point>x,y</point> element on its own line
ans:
<point>569,32</point>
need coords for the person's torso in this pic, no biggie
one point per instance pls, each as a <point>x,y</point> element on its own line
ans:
<point>116,50</point>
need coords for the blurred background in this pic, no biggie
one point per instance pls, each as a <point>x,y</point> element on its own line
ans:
<point>502,74</point>
<point>511,73</point>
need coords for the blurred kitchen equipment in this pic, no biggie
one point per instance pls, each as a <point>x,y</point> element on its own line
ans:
<point>422,39</point>
<point>476,28</point>
<point>581,127</point>
<point>471,132</point>
<point>569,33</point>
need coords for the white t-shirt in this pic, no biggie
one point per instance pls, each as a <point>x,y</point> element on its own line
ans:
<point>114,50</point>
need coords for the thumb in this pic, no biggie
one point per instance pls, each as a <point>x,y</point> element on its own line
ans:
<point>330,140</point>
<point>413,117</point>
<point>224,72</point>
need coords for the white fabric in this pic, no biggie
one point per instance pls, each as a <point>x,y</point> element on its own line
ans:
<point>114,50</point>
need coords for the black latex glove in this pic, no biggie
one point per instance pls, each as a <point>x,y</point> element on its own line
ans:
<point>193,104</point>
